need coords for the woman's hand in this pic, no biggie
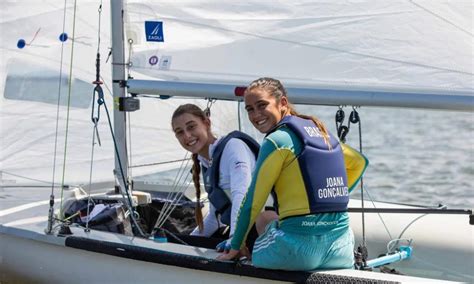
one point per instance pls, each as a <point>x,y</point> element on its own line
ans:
<point>234,254</point>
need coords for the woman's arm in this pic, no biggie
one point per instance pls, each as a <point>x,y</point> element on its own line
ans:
<point>240,162</point>
<point>267,170</point>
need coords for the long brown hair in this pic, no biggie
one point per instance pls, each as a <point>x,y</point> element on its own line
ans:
<point>196,169</point>
<point>276,89</point>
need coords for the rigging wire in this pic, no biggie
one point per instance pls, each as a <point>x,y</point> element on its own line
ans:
<point>160,163</point>
<point>378,213</point>
<point>175,201</point>
<point>130,156</point>
<point>127,192</point>
<point>68,106</point>
<point>49,229</point>
<point>126,185</point>
<point>95,119</point>
<point>89,200</point>
<point>361,253</point>
<point>129,122</point>
<point>32,179</point>
<point>354,118</point>
<point>173,194</point>
<point>167,231</point>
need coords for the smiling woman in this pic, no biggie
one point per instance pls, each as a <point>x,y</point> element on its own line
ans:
<point>310,173</point>
<point>226,164</point>
<point>264,110</point>
<point>193,131</point>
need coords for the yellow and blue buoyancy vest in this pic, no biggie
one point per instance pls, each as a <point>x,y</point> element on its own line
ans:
<point>322,168</point>
<point>278,168</point>
<point>215,193</point>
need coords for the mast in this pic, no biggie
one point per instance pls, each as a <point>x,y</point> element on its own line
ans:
<point>118,90</point>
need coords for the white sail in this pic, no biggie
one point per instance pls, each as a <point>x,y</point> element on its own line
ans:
<point>397,53</point>
<point>30,84</point>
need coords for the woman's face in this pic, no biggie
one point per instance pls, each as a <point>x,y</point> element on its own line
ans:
<point>192,132</point>
<point>263,109</point>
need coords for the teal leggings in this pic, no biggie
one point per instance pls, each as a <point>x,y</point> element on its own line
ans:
<point>276,249</point>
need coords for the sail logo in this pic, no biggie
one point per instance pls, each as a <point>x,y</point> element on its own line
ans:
<point>154,31</point>
<point>153,60</point>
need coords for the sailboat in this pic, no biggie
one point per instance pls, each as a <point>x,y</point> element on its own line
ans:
<point>57,143</point>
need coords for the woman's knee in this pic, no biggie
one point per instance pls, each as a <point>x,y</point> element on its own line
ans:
<point>264,219</point>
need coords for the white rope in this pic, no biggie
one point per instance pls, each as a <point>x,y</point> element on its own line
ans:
<point>416,219</point>
<point>174,203</point>
<point>176,182</point>
<point>175,194</point>
<point>378,213</point>
<point>94,130</point>
<point>28,178</point>
<point>58,101</point>
<point>89,199</point>
<point>179,186</point>
<point>170,196</point>
<point>68,105</point>
<point>390,246</point>
<point>130,155</point>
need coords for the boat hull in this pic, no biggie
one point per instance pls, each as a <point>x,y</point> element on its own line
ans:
<point>29,255</point>
<point>32,257</point>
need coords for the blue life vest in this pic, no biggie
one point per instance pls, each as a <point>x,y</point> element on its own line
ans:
<point>323,169</point>
<point>216,194</point>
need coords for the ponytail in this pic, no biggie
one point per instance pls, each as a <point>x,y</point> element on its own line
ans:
<point>196,170</point>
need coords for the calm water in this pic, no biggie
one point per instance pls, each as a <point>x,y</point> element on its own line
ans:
<point>416,156</point>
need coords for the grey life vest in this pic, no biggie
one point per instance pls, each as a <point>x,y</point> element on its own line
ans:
<point>216,194</point>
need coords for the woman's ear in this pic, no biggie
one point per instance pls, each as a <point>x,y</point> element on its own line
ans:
<point>284,105</point>
<point>207,123</point>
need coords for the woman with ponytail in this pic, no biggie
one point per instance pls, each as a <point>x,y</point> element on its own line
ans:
<point>225,163</point>
<point>310,174</point>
